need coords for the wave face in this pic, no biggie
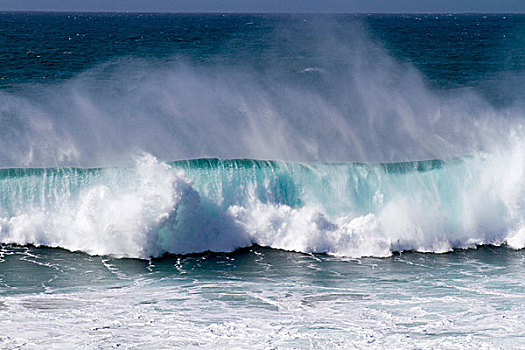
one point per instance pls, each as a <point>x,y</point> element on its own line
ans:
<point>220,205</point>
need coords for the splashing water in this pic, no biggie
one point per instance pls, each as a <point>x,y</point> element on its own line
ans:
<point>193,206</point>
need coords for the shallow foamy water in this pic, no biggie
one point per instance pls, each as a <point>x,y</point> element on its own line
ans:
<point>262,298</point>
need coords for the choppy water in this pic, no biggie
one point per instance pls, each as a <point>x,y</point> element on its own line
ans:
<point>358,178</point>
<point>263,298</point>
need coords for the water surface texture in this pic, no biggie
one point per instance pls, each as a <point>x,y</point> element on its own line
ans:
<point>262,181</point>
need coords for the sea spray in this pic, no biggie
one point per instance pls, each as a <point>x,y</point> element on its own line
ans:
<point>316,91</point>
<point>348,209</point>
<point>97,211</point>
<point>349,135</point>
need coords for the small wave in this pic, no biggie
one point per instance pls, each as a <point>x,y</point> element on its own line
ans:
<point>312,69</point>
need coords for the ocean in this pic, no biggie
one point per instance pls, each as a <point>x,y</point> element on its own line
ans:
<point>266,181</point>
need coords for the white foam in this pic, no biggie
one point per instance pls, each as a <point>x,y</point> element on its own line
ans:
<point>157,209</point>
<point>394,305</point>
<point>105,219</point>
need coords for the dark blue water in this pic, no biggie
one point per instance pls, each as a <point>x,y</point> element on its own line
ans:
<point>412,254</point>
<point>451,50</point>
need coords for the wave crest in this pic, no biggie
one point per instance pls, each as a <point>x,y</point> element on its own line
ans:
<point>342,209</point>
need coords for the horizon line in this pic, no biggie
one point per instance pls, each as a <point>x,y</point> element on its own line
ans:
<point>261,12</point>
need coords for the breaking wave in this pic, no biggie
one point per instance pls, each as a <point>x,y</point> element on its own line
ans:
<point>347,209</point>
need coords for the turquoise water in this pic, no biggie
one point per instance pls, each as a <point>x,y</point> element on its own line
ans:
<point>261,181</point>
<point>192,206</point>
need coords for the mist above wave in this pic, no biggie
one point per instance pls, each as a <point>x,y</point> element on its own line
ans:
<point>331,94</point>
